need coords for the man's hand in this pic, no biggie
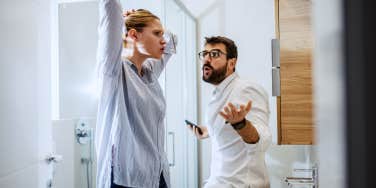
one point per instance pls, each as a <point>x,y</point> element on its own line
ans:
<point>233,115</point>
<point>204,131</point>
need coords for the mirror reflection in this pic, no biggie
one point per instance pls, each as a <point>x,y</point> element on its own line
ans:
<point>183,81</point>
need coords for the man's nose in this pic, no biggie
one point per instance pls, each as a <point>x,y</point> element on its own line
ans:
<point>207,58</point>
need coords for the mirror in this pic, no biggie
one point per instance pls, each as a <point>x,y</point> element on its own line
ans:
<point>77,97</point>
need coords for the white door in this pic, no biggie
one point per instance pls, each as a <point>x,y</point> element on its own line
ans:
<point>181,98</point>
<point>25,118</point>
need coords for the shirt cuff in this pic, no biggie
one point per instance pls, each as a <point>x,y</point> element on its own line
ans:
<point>265,136</point>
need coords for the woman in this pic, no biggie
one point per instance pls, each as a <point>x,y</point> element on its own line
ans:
<point>130,129</point>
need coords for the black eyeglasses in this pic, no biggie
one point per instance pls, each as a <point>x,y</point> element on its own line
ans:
<point>215,53</point>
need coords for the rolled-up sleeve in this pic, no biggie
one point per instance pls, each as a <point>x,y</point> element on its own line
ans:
<point>258,115</point>
<point>110,37</point>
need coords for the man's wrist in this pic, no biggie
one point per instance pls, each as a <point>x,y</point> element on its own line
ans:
<point>239,125</point>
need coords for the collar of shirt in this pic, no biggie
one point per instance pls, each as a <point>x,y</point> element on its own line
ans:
<point>222,86</point>
<point>133,67</point>
<point>131,64</point>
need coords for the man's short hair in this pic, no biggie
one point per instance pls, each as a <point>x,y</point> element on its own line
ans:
<point>232,50</point>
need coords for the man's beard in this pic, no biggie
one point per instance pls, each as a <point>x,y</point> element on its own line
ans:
<point>216,76</point>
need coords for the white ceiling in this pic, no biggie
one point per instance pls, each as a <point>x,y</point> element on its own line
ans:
<point>197,7</point>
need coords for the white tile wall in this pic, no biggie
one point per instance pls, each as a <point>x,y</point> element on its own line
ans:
<point>70,172</point>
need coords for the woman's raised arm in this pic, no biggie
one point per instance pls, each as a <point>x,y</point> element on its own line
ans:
<point>110,37</point>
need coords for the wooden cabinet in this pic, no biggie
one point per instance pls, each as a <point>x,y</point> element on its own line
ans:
<point>294,30</point>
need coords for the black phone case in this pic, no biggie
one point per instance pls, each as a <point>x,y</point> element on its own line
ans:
<point>192,124</point>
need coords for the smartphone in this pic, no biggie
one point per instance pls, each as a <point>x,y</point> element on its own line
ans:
<point>193,125</point>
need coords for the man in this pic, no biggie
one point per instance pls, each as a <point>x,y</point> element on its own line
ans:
<point>237,121</point>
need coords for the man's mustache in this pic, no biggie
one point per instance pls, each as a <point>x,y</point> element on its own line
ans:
<point>207,65</point>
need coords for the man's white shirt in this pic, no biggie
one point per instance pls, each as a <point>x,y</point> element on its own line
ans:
<point>235,163</point>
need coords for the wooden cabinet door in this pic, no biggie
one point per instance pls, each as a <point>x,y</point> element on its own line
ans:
<point>296,44</point>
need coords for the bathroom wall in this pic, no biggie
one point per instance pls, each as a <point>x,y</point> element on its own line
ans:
<point>71,172</point>
<point>251,24</point>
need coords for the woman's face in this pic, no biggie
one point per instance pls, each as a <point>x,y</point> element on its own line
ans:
<point>150,41</point>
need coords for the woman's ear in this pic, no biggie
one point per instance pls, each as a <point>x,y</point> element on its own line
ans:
<point>132,33</point>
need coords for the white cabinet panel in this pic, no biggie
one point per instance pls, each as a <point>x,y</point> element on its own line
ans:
<point>25,101</point>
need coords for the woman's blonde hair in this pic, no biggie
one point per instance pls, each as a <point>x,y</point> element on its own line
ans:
<point>138,20</point>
